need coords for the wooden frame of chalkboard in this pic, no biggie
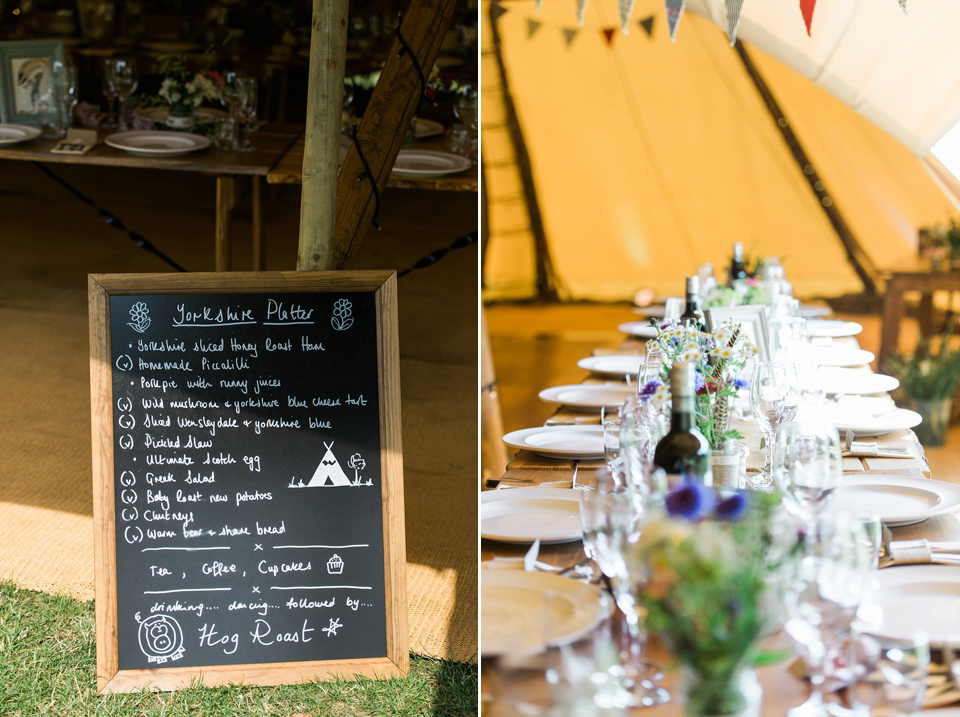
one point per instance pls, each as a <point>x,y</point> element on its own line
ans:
<point>189,374</point>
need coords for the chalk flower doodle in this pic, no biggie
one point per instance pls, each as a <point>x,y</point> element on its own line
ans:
<point>161,638</point>
<point>342,318</point>
<point>140,316</point>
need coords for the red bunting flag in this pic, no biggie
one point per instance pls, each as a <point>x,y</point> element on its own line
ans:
<point>806,8</point>
<point>674,13</point>
<point>626,8</point>
<point>608,32</point>
<point>581,11</point>
<point>734,8</point>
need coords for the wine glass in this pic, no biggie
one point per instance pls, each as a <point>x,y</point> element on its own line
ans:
<point>642,425</point>
<point>890,672</point>
<point>612,518</point>
<point>807,467</point>
<point>110,121</point>
<point>246,111</point>
<point>124,82</point>
<point>773,400</point>
<point>231,91</point>
<point>821,597</point>
<point>65,85</point>
<point>466,109</point>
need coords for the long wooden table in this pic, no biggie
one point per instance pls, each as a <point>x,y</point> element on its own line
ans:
<point>782,690</point>
<point>271,141</point>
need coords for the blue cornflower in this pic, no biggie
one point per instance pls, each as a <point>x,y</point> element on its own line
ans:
<point>733,506</point>
<point>692,501</point>
<point>699,381</point>
<point>741,383</point>
<point>649,388</point>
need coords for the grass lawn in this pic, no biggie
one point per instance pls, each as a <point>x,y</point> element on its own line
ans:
<point>48,667</point>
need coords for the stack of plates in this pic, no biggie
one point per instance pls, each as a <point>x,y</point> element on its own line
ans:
<point>522,515</point>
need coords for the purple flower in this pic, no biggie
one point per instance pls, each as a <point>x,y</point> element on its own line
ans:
<point>649,388</point>
<point>733,507</point>
<point>741,383</point>
<point>699,381</point>
<point>692,501</point>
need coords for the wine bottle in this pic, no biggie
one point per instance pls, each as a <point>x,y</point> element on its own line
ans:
<point>738,270</point>
<point>683,452</point>
<point>692,315</point>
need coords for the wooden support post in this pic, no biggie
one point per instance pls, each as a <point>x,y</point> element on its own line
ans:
<point>257,226</point>
<point>225,200</point>
<point>328,52</point>
<point>385,121</point>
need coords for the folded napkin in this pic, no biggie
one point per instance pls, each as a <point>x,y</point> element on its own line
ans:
<point>920,551</point>
<point>871,449</point>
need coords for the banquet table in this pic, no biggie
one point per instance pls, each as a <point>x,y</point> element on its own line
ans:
<point>782,689</point>
<point>271,141</point>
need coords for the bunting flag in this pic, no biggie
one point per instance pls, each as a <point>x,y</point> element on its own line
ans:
<point>532,27</point>
<point>608,33</point>
<point>674,13</point>
<point>581,11</point>
<point>537,8</point>
<point>626,8</point>
<point>734,8</point>
<point>903,5</point>
<point>496,11</point>
<point>647,25</point>
<point>806,8</point>
<point>569,34</point>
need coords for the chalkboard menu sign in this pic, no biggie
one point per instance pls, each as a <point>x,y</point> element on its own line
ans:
<point>247,478</point>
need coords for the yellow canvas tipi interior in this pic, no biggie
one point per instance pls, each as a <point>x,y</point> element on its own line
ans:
<point>616,159</point>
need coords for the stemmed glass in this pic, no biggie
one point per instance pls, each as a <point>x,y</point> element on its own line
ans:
<point>466,110</point>
<point>612,518</point>
<point>111,121</point>
<point>120,80</point>
<point>231,92</point>
<point>821,598</point>
<point>246,111</point>
<point>807,467</point>
<point>773,399</point>
<point>65,84</point>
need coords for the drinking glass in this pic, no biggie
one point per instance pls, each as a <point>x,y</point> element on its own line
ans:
<point>108,84</point>
<point>125,81</point>
<point>611,442</point>
<point>466,109</point>
<point>773,399</point>
<point>890,673</point>
<point>612,517</point>
<point>231,92</point>
<point>247,111</point>
<point>821,597</point>
<point>642,425</point>
<point>807,467</point>
<point>65,85</point>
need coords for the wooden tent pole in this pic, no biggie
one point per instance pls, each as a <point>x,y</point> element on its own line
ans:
<point>858,258</point>
<point>385,123</point>
<point>328,52</point>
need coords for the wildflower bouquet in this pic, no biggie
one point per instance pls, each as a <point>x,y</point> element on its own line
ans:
<point>718,356</point>
<point>709,560</point>
<point>182,89</point>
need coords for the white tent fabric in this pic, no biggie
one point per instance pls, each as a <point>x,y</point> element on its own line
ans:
<point>902,72</point>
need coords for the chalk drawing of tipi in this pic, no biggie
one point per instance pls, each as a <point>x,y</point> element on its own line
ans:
<point>329,472</point>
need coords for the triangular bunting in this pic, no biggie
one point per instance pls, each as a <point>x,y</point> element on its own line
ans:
<point>532,27</point>
<point>626,8</point>
<point>569,34</point>
<point>581,12</point>
<point>647,25</point>
<point>496,11</point>
<point>537,8</point>
<point>903,6</point>
<point>734,8</point>
<point>608,34</point>
<point>674,13</point>
<point>806,9</point>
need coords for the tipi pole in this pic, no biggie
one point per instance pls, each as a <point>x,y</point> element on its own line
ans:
<point>858,258</point>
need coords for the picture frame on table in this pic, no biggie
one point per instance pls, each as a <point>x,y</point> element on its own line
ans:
<point>26,69</point>
<point>752,319</point>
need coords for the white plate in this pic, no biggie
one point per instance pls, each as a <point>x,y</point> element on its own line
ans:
<point>512,610</point>
<point>814,312</point>
<point>574,442</point>
<point>428,163</point>
<point>427,128</point>
<point>832,328</point>
<point>863,416</point>
<point>833,380</point>
<point>16,133</point>
<point>522,515</point>
<point>913,597</point>
<point>836,355</point>
<point>898,500</point>
<point>614,364</point>
<point>588,396</point>
<point>159,114</point>
<point>643,329</point>
<point>157,144</point>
